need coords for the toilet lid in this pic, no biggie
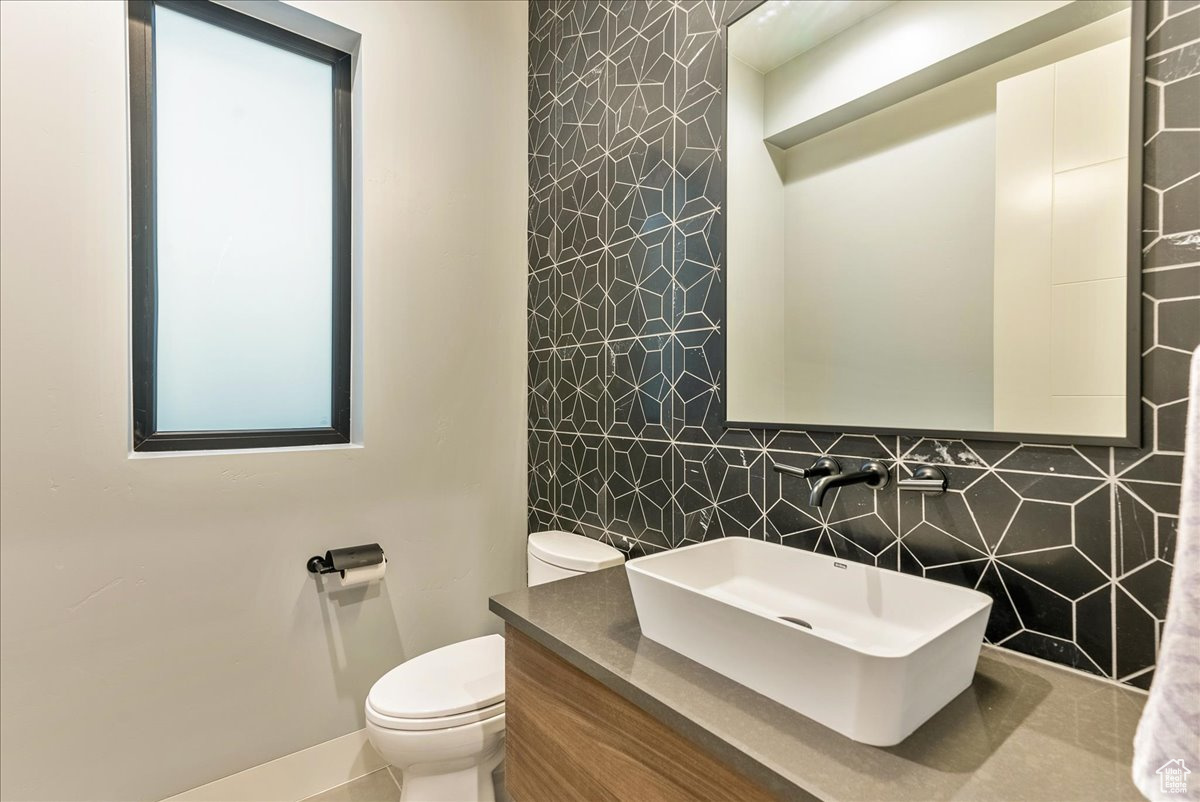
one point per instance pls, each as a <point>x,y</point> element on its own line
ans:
<point>573,552</point>
<point>458,678</point>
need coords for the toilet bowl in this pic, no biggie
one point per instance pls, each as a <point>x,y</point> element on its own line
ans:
<point>439,717</point>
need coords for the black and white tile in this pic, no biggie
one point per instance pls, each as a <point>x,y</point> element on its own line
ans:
<point>626,292</point>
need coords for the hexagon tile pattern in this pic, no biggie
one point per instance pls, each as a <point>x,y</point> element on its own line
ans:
<point>626,242</point>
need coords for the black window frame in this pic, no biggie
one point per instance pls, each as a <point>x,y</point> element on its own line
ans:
<point>143,235</point>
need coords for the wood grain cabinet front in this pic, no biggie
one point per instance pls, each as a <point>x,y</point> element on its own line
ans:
<point>571,738</point>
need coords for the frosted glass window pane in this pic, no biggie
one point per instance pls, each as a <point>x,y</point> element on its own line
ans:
<point>245,205</point>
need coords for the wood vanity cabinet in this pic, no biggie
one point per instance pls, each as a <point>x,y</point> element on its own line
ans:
<point>571,738</point>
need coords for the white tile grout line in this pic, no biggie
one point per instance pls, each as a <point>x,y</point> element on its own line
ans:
<point>387,768</point>
<point>606,340</point>
<point>1165,268</point>
<point>395,780</point>
<point>1112,558</point>
<point>1101,478</point>
<point>247,784</point>
<point>672,222</point>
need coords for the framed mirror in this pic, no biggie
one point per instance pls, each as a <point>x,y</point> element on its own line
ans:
<point>934,218</point>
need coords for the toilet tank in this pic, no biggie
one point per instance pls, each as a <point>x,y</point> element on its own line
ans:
<point>558,555</point>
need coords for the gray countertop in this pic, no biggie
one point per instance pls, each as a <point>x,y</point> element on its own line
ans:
<point>1024,730</point>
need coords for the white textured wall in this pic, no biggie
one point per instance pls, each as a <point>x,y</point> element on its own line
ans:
<point>157,627</point>
<point>755,226</point>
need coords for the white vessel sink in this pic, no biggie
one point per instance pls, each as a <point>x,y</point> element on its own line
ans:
<point>868,652</point>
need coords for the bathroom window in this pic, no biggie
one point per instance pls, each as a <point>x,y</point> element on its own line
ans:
<point>240,171</point>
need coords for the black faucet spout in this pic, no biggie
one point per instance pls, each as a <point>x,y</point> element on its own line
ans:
<point>873,474</point>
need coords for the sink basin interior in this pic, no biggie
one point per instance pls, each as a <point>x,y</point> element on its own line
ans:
<point>868,609</point>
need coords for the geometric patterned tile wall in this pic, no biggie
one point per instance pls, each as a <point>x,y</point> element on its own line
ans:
<point>625,366</point>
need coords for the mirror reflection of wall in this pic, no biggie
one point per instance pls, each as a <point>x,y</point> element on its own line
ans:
<point>928,213</point>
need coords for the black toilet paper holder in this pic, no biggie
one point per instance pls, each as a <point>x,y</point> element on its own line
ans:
<point>338,560</point>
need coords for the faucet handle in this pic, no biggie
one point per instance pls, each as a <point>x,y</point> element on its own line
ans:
<point>925,479</point>
<point>825,466</point>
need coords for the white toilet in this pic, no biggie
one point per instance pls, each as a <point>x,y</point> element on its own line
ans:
<point>439,717</point>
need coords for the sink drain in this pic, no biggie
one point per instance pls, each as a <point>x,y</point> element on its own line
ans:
<point>791,619</point>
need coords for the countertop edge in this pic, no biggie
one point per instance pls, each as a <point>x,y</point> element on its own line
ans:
<point>720,748</point>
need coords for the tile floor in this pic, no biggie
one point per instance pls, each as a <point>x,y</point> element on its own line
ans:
<point>384,786</point>
<point>378,786</point>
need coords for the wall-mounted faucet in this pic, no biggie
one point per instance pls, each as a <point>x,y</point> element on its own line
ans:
<point>873,474</point>
<point>828,473</point>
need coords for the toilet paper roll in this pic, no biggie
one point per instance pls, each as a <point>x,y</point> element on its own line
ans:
<point>361,576</point>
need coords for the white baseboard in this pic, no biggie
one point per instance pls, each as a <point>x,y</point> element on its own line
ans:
<point>293,777</point>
